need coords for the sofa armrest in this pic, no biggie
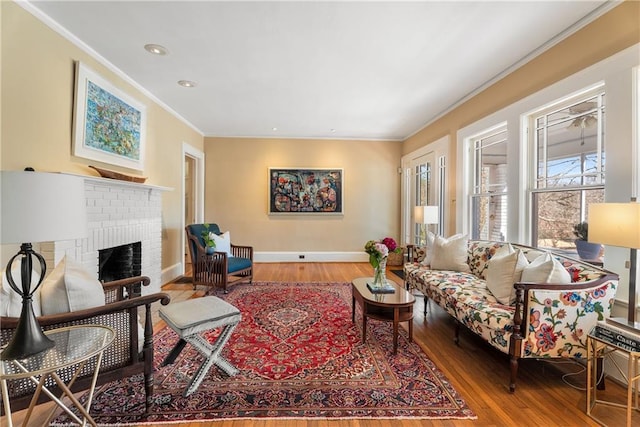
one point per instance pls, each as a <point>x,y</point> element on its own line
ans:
<point>553,320</point>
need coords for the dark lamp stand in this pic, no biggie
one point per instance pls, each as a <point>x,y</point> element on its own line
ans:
<point>28,338</point>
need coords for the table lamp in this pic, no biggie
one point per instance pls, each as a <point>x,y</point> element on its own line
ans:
<point>36,207</point>
<point>426,215</point>
<point>618,224</point>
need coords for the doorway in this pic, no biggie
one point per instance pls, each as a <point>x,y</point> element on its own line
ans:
<point>192,196</point>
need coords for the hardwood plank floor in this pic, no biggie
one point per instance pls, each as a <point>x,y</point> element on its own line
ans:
<point>475,369</point>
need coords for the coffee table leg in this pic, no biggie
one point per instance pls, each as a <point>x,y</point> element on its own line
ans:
<point>353,308</point>
<point>364,328</point>
<point>396,313</point>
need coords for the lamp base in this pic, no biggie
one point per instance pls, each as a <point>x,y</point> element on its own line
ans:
<point>627,325</point>
<point>28,338</point>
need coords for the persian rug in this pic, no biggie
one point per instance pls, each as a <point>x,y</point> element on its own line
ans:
<point>300,356</point>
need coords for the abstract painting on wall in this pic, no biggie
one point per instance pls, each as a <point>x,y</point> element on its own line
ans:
<point>305,191</point>
<point>109,125</point>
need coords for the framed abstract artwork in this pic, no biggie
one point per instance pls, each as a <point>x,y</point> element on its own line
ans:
<point>305,191</point>
<point>109,125</point>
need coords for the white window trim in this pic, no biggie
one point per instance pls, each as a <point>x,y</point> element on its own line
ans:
<point>610,71</point>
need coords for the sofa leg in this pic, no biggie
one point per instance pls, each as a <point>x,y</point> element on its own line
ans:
<point>456,334</point>
<point>426,303</point>
<point>514,373</point>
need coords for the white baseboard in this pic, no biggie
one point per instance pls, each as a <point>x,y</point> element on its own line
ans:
<point>303,256</point>
<point>171,273</point>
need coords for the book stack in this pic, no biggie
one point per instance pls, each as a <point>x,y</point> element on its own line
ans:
<point>382,289</point>
<point>618,334</point>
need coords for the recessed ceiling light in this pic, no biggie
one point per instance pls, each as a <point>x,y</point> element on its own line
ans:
<point>274,129</point>
<point>156,49</point>
<point>333,130</point>
<point>187,83</point>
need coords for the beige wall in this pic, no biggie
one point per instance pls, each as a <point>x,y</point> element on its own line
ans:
<point>237,185</point>
<point>37,108</point>
<point>616,30</point>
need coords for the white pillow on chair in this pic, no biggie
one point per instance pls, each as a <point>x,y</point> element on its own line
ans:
<point>70,288</point>
<point>223,242</point>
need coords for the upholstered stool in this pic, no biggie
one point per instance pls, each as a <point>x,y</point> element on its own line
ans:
<point>192,317</point>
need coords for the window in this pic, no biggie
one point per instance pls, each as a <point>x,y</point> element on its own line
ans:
<point>568,142</point>
<point>489,190</point>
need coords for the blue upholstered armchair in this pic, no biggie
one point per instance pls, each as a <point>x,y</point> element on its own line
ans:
<point>219,269</point>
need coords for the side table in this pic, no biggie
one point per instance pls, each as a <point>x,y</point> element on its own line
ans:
<point>598,347</point>
<point>75,346</point>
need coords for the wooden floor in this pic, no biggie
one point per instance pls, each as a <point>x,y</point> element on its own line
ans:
<point>476,370</point>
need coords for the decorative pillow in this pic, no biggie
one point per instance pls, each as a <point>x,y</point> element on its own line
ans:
<point>223,242</point>
<point>545,269</point>
<point>503,270</point>
<point>429,250</point>
<point>10,300</point>
<point>75,289</point>
<point>533,254</point>
<point>450,254</point>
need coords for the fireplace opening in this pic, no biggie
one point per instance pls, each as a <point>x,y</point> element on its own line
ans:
<point>120,262</point>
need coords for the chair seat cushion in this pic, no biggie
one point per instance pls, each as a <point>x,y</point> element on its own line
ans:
<point>198,315</point>
<point>237,264</point>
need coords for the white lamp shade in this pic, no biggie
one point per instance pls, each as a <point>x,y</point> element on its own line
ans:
<point>426,214</point>
<point>42,207</point>
<point>615,224</point>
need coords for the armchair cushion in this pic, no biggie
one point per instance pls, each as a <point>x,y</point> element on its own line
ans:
<point>69,288</point>
<point>237,264</point>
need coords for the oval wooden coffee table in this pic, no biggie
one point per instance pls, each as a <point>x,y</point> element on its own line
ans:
<point>396,307</point>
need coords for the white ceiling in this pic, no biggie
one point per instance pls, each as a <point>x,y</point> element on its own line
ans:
<point>366,70</point>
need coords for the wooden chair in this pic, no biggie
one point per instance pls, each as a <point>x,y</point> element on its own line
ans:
<point>218,270</point>
<point>122,358</point>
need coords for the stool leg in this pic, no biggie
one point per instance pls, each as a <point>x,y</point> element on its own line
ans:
<point>212,357</point>
<point>175,352</point>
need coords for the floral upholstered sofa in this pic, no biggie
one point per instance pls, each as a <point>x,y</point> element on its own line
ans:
<point>516,306</point>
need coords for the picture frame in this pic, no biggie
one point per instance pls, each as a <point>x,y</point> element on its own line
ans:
<point>109,125</point>
<point>306,191</point>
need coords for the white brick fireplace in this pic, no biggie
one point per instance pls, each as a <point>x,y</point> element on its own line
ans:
<point>118,213</point>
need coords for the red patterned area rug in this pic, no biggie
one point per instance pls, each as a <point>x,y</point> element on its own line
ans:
<point>299,356</point>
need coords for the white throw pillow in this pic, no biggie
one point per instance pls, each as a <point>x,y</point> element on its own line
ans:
<point>545,269</point>
<point>450,254</point>
<point>429,250</point>
<point>10,300</point>
<point>503,270</point>
<point>223,242</point>
<point>533,254</point>
<point>75,289</point>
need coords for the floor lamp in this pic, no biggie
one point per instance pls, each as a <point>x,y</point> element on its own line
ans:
<point>36,207</point>
<point>618,224</point>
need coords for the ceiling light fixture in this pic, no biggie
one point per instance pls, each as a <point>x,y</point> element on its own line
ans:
<point>333,130</point>
<point>187,83</point>
<point>156,49</point>
<point>274,129</point>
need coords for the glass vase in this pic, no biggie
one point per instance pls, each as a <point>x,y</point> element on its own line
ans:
<point>380,274</point>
